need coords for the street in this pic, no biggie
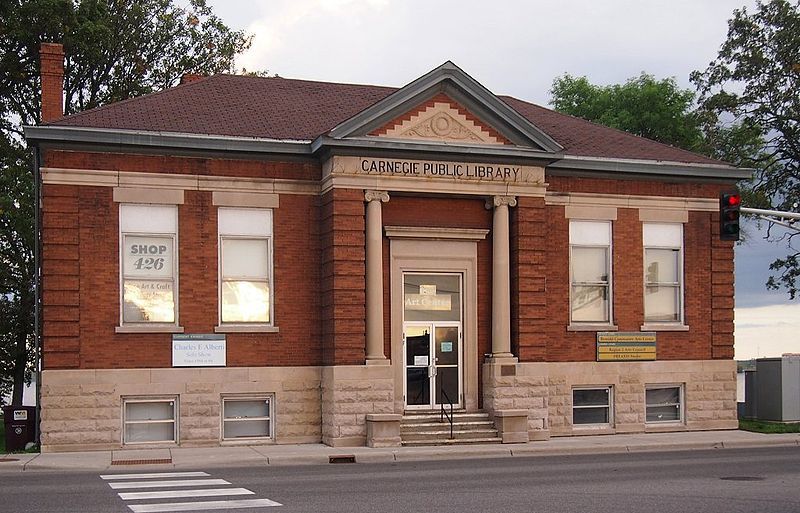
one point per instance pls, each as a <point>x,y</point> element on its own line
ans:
<point>729,480</point>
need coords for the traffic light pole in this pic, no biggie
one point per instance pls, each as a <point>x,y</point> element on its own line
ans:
<point>785,219</point>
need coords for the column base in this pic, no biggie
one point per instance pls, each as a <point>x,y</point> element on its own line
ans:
<point>502,359</point>
<point>378,361</point>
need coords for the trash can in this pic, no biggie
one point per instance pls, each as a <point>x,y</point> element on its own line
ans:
<point>20,425</point>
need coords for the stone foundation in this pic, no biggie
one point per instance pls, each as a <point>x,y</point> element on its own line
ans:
<point>82,409</point>
<point>545,390</point>
<point>349,393</point>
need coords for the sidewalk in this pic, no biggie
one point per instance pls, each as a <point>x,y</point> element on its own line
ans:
<point>316,454</point>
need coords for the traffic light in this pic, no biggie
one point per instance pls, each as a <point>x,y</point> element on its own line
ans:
<point>729,205</point>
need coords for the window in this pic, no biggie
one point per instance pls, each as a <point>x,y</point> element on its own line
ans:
<point>591,406</point>
<point>663,272</point>
<point>246,417</point>
<point>150,420</point>
<point>590,271</point>
<point>245,270</point>
<point>663,403</point>
<point>148,264</point>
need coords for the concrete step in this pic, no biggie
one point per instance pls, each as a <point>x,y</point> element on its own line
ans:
<point>433,426</point>
<point>444,434</point>
<point>456,441</point>
<point>429,429</point>
<point>434,417</point>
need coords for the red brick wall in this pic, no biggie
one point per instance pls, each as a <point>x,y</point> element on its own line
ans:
<point>60,277</point>
<point>528,280</point>
<point>81,284</point>
<point>319,270</point>
<point>708,275</point>
<point>343,277</point>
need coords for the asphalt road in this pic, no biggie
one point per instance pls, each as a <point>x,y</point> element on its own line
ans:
<point>728,480</point>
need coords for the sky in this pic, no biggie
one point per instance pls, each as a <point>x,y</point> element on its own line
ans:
<point>518,48</point>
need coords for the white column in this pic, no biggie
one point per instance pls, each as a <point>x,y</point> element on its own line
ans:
<point>374,277</point>
<point>501,277</point>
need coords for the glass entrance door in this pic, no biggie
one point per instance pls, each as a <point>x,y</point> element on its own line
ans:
<point>432,339</point>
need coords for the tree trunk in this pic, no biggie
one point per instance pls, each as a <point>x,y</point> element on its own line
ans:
<point>20,361</point>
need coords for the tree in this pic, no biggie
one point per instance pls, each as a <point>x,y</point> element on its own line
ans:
<point>754,83</point>
<point>114,49</point>
<point>655,109</point>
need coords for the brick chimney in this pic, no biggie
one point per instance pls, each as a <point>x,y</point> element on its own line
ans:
<point>188,78</point>
<point>51,61</point>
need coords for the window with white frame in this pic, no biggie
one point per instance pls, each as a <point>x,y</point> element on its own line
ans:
<point>590,271</point>
<point>148,264</point>
<point>591,405</point>
<point>149,420</point>
<point>664,403</point>
<point>246,417</point>
<point>245,269</point>
<point>663,272</point>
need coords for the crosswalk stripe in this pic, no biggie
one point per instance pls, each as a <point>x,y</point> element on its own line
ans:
<point>207,505</point>
<point>157,475</point>
<point>162,484</point>
<point>174,494</point>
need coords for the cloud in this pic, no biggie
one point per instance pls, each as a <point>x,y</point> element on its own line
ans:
<point>767,331</point>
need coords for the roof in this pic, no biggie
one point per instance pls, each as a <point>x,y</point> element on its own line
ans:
<point>287,109</point>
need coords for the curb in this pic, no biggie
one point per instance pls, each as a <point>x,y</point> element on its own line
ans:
<point>39,462</point>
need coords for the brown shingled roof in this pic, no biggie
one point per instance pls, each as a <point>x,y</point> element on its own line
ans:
<point>279,108</point>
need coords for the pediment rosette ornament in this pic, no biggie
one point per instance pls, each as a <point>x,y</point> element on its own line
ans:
<point>442,122</point>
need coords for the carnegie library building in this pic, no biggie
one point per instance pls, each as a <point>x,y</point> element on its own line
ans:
<point>246,260</point>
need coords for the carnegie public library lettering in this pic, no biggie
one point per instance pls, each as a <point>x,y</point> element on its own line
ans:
<point>263,272</point>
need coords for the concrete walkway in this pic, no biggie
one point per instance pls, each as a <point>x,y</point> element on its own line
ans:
<point>127,460</point>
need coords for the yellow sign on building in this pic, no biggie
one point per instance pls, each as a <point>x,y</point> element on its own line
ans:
<point>617,347</point>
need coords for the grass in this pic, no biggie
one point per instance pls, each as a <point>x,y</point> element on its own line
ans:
<point>760,426</point>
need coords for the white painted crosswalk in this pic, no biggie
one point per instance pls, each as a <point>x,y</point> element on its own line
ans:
<point>180,485</point>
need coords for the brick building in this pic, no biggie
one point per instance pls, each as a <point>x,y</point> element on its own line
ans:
<point>266,260</point>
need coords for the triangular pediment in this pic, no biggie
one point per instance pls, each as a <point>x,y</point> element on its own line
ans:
<point>446,106</point>
<point>441,119</point>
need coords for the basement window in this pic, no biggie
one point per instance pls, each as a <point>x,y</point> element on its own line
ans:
<point>664,404</point>
<point>247,417</point>
<point>592,406</point>
<point>150,420</point>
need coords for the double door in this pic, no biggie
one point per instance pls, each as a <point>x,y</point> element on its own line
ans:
<point>432,340</point>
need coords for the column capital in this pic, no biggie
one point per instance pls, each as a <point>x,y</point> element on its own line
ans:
<point>498,201</point>
<point>382,196</point>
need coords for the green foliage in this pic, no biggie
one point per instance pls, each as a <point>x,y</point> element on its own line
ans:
<point>114,50</point>
<point>655,109</point>
<point>754,83</point>
<point>760,426</point>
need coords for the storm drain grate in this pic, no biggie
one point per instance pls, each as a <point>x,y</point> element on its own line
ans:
<point>741,478</point>
<point>342,458</point>
<point>3,460</point>
<point>142,462</point>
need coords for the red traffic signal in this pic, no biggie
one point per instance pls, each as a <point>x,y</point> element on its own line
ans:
<point>729,205</point>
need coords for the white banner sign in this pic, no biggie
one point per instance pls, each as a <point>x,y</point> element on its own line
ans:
<point>199,350</point>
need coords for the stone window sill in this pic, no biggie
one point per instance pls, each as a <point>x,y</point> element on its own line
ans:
<point>655,326</point>
<point>664,427</point>
<point>148,329</point>
<point>579,430</point>
<point>592,327</point>
<point>245,328</point>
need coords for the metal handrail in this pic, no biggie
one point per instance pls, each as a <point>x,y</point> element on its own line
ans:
<point>445,414</point>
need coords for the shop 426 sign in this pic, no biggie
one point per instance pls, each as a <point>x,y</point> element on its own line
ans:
<point>148,255</point>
